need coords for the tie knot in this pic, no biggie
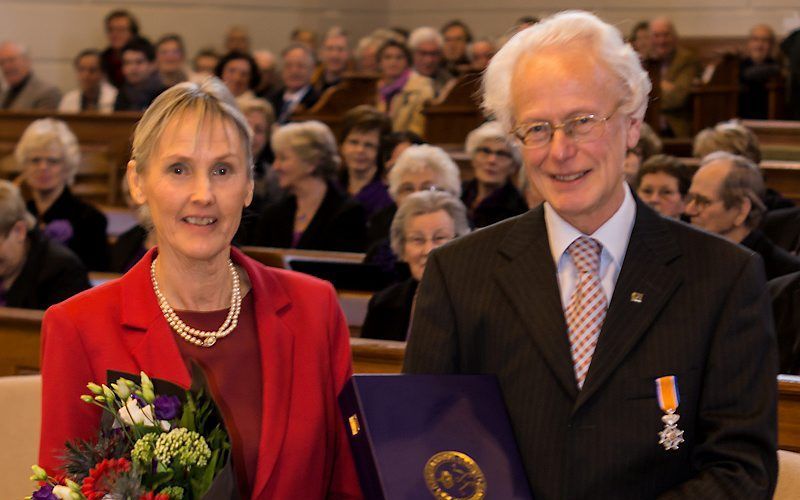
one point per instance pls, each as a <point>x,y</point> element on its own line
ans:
<point>585,253</point>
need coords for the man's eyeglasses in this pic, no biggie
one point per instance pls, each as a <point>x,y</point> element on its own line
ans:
<point>582,128</point>
<point>497,152</point>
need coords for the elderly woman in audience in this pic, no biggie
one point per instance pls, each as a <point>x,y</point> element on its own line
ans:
<point>663,182</point>
<point>134,243</point>
<point>94,93</point>
<point>49,155</point>
<point>261,118</point>
<point>191,165</point>
<point>361,146</point>
<point>491,196</point>
<point>240,74</point>
<point>35,272</point>
<point>402,92</point>
<point>649,144</point>
<point>315,214</point>
<point>425,221</point>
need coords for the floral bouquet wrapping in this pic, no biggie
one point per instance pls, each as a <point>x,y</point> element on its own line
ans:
<point>157,442</point>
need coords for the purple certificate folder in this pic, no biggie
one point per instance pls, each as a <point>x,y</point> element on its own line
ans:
<point>432,436</point>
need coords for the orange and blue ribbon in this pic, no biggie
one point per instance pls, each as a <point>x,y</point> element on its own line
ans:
<point>667,391</point>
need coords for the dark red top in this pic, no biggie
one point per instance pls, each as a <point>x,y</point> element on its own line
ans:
<point>233,370</point>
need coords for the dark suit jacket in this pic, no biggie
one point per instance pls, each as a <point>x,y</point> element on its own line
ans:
<point>777,261</point>
<point>782,227</point>
<point>502,204</point>
<point>88,225</point>
<point>279,105</point>
<point>51,273</point>
<point>785,293</point>
<point>305,362</point>
<point>489,303</point>
<point>389,312</point>
<point>339,224</point>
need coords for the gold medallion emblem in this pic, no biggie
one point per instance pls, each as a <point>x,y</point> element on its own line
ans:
<point>452,475</point>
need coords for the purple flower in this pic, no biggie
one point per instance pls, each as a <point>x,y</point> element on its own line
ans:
<point>167,407</point>
<point>44,493</point>
<point>59,230</point>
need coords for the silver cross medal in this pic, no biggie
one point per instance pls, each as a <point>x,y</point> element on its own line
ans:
<point>671,436</point>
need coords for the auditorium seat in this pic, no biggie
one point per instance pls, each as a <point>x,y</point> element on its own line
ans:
<point>20,398</point>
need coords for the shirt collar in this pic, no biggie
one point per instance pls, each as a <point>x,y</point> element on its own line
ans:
<point>614,234</point>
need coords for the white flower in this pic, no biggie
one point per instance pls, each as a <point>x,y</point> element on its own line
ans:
<point>132,414</point>
<point>62,492</point>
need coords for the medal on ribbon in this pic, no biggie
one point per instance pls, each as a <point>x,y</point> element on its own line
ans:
<point>668,399</point>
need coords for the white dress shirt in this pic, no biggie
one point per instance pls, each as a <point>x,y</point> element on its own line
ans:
<point>614,235</point>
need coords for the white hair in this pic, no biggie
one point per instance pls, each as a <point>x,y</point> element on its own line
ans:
<point>492,131</point>
<point>423,203</point>
<point>426,157</point>
<point>45,132</point>
<point>422,35</point>
<point>602,41</point>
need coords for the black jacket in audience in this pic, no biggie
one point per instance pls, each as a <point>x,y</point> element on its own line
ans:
<point>138,97</point>
<point>338,225</point>
<point>777,261</point>
<point>379,225</point>
<point>785,293</point>
<point>128,249</point>
<point>782,227</point>
<point>389,312</point>
<point>502,204</point>
<point>51,273</point>
<point>86,223</point>
<point>282,114</point>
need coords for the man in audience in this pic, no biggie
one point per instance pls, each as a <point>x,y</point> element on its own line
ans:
<point>121,28</point>
<point>237,39</point>
<point>456,36</point>
<point>593,311</point>
<point>334,56</point>
<point>755,70</point>
<point>267,85</point>
<point>171,60</point>
<point>142,83</point>
<point>426,46</point>
<point>298,66</point>
<point>480,52</point>
<point>94,93</point>
<point>304,36</point>
<point>204,64</point>
<point>640,39</point>
<point>25,90</point>
<point>677,68</point>
<point>726,198</point>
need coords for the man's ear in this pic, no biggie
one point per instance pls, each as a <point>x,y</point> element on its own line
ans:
<point>135,182</point>
<point>633,133</point>
<point>744,211</point>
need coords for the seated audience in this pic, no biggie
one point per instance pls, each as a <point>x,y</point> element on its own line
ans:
<point>663,182</point>
<point>402,92</point>
<point>790,46</point>
<point>457,36</point>
<point>334,56</point>
<point>304,36</point>
<point>121,28</point>
<point>649,144</point>
<point>756,69</point>
<point>297,92</point>
<point>205,63</point>
<point>94,93</point>
<point>171,60</point>
<point>134,243</point>
<point>491,196</point>
<point>427,45</point>
<point>678,68</point>
<point>35,272</point>
<point>782,227</point>
<point>24,89</point>
<point>315,214</point>
<point>640,39</point>
<point>725,198</point>
<point>237,39</point>
<point>267,84</point>
<point>239,72</point>
<point>785,294</point>
<point>426,220</point>
<point>394,145</point>
<point>733,137</point>
<point>49,155</point>
<point>142,83</point>
<point>480,52</point>
<point>361,147</point>
<point>365,54</point>
<point>261,118</point>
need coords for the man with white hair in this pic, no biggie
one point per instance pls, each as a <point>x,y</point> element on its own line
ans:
<point>25,90</point>
<point>426,45</point>
<point>635,354</point>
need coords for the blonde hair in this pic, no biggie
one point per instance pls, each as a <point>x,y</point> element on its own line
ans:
<point>12,208</point>
<point>42,133</point>
<point>211,99</point>
<point>313,143</point>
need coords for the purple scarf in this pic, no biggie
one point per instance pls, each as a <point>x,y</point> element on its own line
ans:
<point>392,89</point>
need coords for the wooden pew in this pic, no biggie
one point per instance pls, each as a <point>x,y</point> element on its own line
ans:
<point>789,412</point>
<point>105,141</point>
<point>354,90</point>
<point>19,334</point>
<point>455,113</point>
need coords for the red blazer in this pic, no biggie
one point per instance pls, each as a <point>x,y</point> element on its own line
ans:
<point>305,349</point>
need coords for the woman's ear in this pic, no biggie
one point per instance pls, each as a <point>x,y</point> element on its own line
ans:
<point>135,184</point>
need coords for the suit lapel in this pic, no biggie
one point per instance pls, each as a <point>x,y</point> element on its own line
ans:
<point>645,271</point>
<point>530,283</point>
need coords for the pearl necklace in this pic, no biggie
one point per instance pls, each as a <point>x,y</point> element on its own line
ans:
<point>193,335</point>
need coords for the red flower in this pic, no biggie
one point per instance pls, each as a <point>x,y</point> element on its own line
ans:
<point>153,496</point>
<point>101,477</point>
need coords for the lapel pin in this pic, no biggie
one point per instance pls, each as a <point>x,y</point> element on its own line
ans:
<point>637,297</point>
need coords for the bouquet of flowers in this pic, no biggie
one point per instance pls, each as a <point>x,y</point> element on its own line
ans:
<point>150,447</point>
